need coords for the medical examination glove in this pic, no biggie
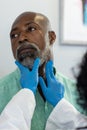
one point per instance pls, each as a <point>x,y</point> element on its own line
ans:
<point>54,90</point>
<point>29,79</point>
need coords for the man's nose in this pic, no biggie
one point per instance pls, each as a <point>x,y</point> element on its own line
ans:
<point>22,38</point>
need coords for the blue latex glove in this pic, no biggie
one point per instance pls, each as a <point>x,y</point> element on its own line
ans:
<point>29,79</point>
<point>54,91</point>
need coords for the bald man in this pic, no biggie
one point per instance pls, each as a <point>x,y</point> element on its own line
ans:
<point>32,37</point>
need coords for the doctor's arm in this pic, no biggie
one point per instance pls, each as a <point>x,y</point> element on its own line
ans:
<point>64,116</point>
<point>18,113</point>
<point>53,90</point>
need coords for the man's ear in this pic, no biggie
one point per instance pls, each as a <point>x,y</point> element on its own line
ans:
<point>52,37</point>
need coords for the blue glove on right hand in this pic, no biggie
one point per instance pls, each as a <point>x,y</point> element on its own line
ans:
<point>54,91</point>
<point>29,79</point>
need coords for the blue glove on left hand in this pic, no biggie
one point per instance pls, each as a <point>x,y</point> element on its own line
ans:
<point>54,91</point>
<point>29,79</point>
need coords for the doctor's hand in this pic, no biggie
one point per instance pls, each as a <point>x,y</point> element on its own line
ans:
<point>54,90</point>
<point>29,79</point>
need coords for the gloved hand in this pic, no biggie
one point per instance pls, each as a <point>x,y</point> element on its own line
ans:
<point>29,79</point>
<point>54,91</point>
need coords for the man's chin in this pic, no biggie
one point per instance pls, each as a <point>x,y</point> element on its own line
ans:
<point>28,62</point>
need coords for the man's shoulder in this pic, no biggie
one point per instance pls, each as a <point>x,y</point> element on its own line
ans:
<point>69,85</point>
<point>9,86</point>
<point>64,79</point>
<point>10,78</point>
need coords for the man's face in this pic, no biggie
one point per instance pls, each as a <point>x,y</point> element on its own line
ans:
<point>29,39</point>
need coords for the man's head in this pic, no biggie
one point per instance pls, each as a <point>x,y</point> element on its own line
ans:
<point>31,37</point>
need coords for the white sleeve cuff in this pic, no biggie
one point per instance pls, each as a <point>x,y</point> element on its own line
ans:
<point>20,108</point>
<point>63,116</point>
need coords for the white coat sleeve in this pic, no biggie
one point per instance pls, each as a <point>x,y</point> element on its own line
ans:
<point>18,113</point>
<point>65,117</point>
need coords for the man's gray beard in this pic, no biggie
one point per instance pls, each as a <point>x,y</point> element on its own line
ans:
<point>29,61</point>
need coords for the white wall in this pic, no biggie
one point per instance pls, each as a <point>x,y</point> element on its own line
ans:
<point>65,57</point>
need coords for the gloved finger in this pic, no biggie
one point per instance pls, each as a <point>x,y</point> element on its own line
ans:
<point>36,64</point>
<point>42,84</point>
<point>48,77</point>
<point>50,66</point>
<point>20,66</point>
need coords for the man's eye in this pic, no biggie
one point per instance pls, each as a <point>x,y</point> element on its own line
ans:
<point>31,29</point>
<point>14,35</point>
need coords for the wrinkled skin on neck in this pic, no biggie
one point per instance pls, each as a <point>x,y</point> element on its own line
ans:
<point>31,37</point>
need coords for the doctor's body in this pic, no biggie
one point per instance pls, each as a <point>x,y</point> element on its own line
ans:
<point>19,112</point>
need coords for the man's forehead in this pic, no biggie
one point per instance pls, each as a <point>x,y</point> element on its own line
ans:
<point>39,19</point>
<point>24,17</point>
<point>30,18</point>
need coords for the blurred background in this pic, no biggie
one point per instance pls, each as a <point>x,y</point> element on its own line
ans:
<point>66,57</point>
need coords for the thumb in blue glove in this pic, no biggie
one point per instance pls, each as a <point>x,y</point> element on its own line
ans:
<point>54,91</point>
<point>29,79</point>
